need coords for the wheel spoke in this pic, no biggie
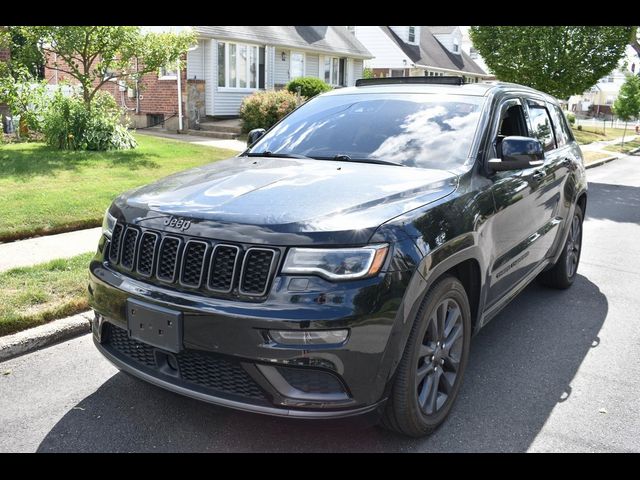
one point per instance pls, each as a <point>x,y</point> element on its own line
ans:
<point>425,351</point>
<point>432,398</point>
<point>442,315</point>
<point>422,372</point>
<point>452,363</point>
<point>453,337</point>
<point>448,379</point>
<point>452,318</point>
<point>433,327</point>
<point>424,391</point>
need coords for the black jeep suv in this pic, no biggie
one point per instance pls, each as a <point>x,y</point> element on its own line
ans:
<point>342,263</point>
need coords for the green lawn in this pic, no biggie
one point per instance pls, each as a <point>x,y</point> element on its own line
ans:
<point>628,146</point>
<point>591,157</point>
<point>593,134</point>
<point>31,296</point>
<point>43,190</point>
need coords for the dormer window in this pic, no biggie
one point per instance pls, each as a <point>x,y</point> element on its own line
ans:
<point>412,34</point>
<point>456,46</point>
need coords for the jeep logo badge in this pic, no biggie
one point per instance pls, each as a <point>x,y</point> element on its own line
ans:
<point>177,222</point>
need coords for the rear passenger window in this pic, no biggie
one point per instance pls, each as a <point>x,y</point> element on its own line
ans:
<point>563,132</point>
<point>541,125</point>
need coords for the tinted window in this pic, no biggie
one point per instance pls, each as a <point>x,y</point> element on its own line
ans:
<point>541,125</point>
<point>563,133</point>
<point>418,130</point>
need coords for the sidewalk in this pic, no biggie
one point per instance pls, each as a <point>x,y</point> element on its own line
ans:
<point>599,146</point>
<point>23,253</point>
<point>236,145</point>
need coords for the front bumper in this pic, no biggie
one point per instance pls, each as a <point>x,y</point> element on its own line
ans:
<point>224,332</point>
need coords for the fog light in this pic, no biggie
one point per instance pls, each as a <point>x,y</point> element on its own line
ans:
<point>315,337</point>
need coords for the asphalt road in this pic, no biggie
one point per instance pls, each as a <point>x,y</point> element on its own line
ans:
<point>556,371</point>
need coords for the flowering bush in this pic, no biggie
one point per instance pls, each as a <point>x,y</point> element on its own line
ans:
<point>265,109</point>
<point>69,125</point>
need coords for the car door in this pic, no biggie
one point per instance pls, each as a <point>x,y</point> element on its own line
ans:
<point>521,210</point>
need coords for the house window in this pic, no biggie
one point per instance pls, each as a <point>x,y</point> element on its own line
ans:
<point>456,45</point>
<point>168,72</point>
<point>240,66</point>
<point>473,53</point>
<point>412,34</point>
<point>296,68</point>
<point>333,69</point>
<point>397,73</point>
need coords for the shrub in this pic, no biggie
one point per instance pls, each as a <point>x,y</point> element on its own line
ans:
<point>367,73</point>
<point>69,125</point>
<point>264,109</point>
<point>579,127</point>
<point>571,118</point>
<point>309,86</point>
<point>25,97</point>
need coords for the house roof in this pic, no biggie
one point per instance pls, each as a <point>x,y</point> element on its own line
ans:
<point>327,39</point>
<point>442,30</point>
<point>431,53</point>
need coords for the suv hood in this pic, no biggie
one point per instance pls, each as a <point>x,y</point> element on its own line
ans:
<point>253,199</point>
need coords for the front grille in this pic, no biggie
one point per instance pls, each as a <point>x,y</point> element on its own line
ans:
<point>193,264</point>
<point>256,271</point>
<point>174,259</point>
<point>129,248</point>
<point>136,351</point>
<point>311,381</point>
<point>223,266</point>
<point>168,261</point>
<point>208,371</point>
<point>116,238</point>
<point>147,253</point>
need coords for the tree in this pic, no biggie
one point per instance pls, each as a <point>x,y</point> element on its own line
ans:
<point>25,54</point>
<point>561,61</point>
<point>93,55</point>
<point>627,105</point>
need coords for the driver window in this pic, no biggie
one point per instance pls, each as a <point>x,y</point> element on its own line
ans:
<point>512,123</point>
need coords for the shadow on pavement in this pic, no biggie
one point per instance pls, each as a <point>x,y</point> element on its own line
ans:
<point>521,366</point>
<point>619,203</point>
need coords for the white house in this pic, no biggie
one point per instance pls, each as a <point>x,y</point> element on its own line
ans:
<point>416,51</point>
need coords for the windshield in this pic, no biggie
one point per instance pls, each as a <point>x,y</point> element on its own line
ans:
<point>416,130</point>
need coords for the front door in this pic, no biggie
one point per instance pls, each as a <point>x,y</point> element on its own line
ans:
<point>522,210</point>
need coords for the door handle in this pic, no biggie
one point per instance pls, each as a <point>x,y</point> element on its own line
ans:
<point>538,175</point>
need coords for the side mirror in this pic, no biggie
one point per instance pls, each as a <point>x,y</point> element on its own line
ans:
<point>518,153</point>
<point>254,136</point>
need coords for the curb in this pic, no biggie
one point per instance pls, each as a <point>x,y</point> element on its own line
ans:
<point>45,335</point>
<point>602,161</point>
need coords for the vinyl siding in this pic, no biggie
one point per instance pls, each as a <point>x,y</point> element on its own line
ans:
<point>281,69</point>
<point>313,62</point>
<point>385,51</point>
<point>358,68</point>
<point>195,62</point>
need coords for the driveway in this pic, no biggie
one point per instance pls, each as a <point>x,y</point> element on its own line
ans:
<point>555,371</point>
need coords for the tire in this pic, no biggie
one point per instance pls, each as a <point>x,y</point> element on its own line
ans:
<point>564,272</point>
<point>403,412</point>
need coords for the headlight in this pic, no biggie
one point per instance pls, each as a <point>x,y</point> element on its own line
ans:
<point>336,263</point>
<point>108,223</point>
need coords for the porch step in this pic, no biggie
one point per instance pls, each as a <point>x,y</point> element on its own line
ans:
<point>218,127</point>
<point>214,134</point>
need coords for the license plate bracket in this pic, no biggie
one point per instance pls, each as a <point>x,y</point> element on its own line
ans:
<point>157,326</point>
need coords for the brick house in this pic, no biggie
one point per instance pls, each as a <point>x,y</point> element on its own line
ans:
<point>232,62</point>
<point>4,56</point>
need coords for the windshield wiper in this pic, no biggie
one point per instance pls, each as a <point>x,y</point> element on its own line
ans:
<point>278,155</point>
<point>347,158</point>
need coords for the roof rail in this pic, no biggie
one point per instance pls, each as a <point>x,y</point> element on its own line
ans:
<point>436,80</point>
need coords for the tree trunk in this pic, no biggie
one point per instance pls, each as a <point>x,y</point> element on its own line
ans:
<point>624,132</point>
